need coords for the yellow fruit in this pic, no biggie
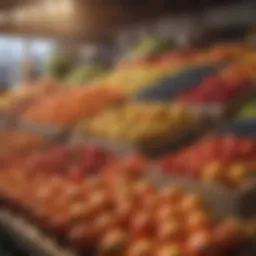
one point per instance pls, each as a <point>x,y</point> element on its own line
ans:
<point>213,173</point>
<point>237,173</point>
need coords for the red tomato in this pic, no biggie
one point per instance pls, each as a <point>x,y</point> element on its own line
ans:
<point>142,224</point>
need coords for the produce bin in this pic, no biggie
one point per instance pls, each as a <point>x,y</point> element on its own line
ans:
<point>147,128</point>
<point>225,201</point>
<point>170,88</point>
<point>220,167</point>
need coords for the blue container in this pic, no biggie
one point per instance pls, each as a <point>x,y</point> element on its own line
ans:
<point>245,128</point>
<point>170,88</point>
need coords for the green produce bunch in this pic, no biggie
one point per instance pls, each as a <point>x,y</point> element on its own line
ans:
<point>58,66</point>
<point>86,74</point>
<point>151,47</point>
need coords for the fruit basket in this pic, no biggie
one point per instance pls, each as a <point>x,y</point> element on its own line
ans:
<point>72,105</point>
<point>225,201</point>
<point>226,90</point>
<point>17,101</point>
<point>29,238</point>
<point>221,166</point>
<point>114,220</point>
<point>148,128</point>
<point>76,161</point>
<point>19,142</point>
<point>144,73</point>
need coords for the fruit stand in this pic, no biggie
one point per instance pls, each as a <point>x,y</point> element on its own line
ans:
<point>77,172</point>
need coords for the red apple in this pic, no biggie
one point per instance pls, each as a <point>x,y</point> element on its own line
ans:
<point>171,195</point>
<point>135,165</point>
<point>229,147</point>
<point>170,249</point>
<point>213,172</point>
<point>169,231</point>
<point>143,187</point>
<point>114,243</point>
<point>228,235</point>
<point>191,202</point>
<point>82,211</point>
<point>141,247</point>
<point>101,200</point>
<point>237,174</point>
<point>124,213</point>
<point>82,236</point>
<point>200,244</point>
<point>142,224</point>
<point>198,220</point>
<point>93,183</point>
<point>167,212</point>
<point>104,222</point>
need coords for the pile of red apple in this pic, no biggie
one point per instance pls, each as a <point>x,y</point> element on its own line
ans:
<point>74,161</point>
<point>226,159</point>
<point>72,105</point>
<point>216,90</point>
<point>120,216</point>
<point>19,142</point>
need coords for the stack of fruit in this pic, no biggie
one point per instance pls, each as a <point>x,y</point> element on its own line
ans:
<point>143,125</point>
<point>73,161</point>
<point>215,90</point>
<point>149,48</point>
<point>225,160</point>
<point>243,68</point>
<point>222,53</point>
<point>138,75</point>
<point>234,81</point>
<point>72,105</point>
<point>118,215</point>
<point>13,143</point>
<point>16,102</point>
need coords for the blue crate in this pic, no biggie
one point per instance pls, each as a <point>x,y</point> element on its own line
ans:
<point>241,127</point>
<point>173,86</point>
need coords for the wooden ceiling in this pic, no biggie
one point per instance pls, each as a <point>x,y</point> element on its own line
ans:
<point>95,19</point>
<point>7,4</point>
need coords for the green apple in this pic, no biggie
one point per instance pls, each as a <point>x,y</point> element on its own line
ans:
<point>151,47</point>
<point>86,74</point>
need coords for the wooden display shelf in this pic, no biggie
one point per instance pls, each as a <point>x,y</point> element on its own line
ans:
<point>29,238</point>
<point>224,201</point>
